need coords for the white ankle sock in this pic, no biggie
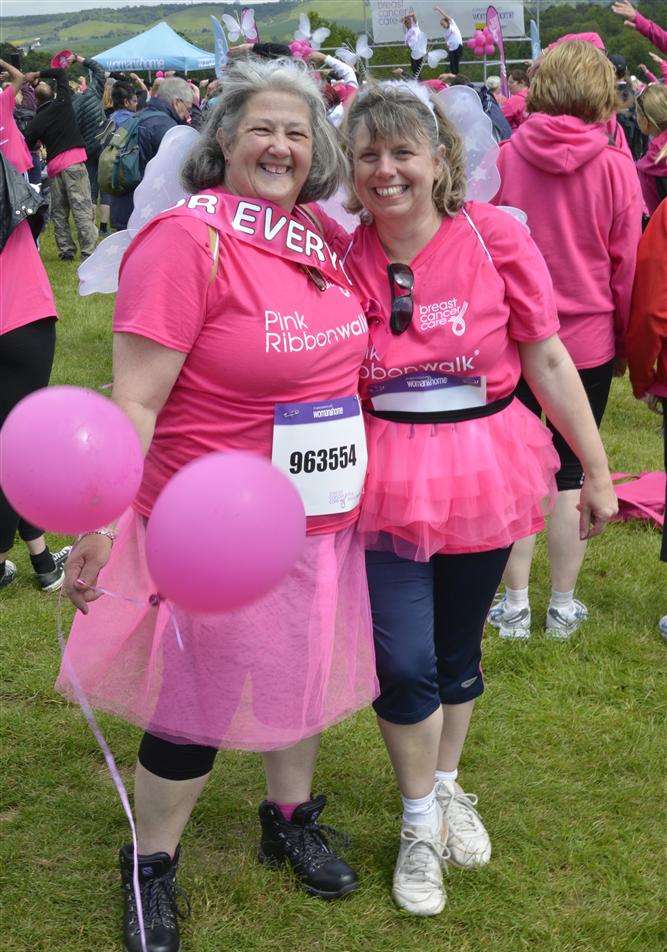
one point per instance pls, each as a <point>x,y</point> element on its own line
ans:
<point>517,597</point>
<point>563,601</point>
<point>422,811</point>
<point>449,775</point>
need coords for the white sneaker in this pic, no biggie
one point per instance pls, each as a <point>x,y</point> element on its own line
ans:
<point>510,622</point>
<point>562,625</point>
<point>662,625</point>
<point>468,842</point>
<point>418,884</point>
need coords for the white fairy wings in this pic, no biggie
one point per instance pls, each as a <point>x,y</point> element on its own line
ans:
<point>314,38</point>
<point>245,27</point>
<point>362,52</point>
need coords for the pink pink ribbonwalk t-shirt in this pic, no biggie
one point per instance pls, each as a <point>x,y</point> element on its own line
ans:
<point>469,313</point>
<point>12,143</point>
<point>261,333</point>
<point>25,292</point>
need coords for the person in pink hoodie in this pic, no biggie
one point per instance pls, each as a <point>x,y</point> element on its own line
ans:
<point>635,21</point>
<point>514,108</point>
<point>652,168</point>
<point>583,202</point>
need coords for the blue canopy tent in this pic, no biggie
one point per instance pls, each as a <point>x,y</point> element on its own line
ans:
<point>157,48</point>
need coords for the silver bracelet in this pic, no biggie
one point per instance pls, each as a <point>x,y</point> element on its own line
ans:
<point>109,533</point>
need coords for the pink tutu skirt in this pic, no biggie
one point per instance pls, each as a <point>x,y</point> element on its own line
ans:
<point>449,488</point>
<point>258,678</point>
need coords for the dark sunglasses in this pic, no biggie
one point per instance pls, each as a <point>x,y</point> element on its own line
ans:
<point>400,276</point>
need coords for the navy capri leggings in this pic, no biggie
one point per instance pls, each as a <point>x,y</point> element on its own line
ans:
<point>428,622</point>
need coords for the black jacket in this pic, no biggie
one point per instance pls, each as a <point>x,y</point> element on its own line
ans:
<point>18,201</point>
<point>88,110</point>
<point>55,123</point>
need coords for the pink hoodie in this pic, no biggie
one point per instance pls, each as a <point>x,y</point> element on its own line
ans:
<point>650,171</point>
<point>654,33</point>
<point>584,205</point>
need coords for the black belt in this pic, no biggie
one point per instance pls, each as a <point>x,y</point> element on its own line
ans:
<point>444,416</point>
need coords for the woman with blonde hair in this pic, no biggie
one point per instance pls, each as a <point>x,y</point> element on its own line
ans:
<point>459,304</point>
<point>652,168</point>
<point>583,202</point>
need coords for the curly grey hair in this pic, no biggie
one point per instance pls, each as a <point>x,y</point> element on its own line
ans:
<point>205,166</point>
<point>391,110</point>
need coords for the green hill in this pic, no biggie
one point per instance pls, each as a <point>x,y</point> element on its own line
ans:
<point>91,31</point>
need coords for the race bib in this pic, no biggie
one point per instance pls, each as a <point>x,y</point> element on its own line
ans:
<point>321,448</point>
<point>428,393</point>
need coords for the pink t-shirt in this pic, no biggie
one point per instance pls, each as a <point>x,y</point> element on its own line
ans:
<point>469,313</point>
<point>12,143</point>
<point>64,160</point>
<point>262,332</point>
<point>25,292</point>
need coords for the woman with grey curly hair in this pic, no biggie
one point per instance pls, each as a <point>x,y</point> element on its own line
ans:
<point>235,320</point>
<point>459,303</point>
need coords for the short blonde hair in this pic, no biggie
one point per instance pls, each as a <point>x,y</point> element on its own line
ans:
<point>574,79</point>
<point>389,110</point>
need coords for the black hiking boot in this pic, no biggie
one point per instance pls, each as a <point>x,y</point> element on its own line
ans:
<point>304,844</point>
<point>159,900</point>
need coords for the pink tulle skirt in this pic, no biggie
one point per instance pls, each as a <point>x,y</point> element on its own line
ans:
<point>258,678</point>
<point>457,487</point>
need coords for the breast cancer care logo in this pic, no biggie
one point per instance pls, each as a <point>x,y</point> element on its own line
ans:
<point>443,313</point>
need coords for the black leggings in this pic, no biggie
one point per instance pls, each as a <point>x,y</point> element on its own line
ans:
<point>26,358</point>
<point>175,761</point>
<point>597,384</point>
<point>454,59</point>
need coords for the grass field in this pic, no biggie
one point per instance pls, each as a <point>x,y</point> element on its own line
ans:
<point>566,753</point>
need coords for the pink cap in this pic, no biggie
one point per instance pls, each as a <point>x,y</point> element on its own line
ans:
<point>61,59</point>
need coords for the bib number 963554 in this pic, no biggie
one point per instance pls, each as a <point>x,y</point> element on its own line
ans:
<point>321,447</point>
<point>319,461</point>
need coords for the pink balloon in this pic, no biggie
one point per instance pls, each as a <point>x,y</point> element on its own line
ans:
<point>478,50</point>
<point>70,460</point>
<point>224,531</point>
<point>472,43</point>
<point>489,48</point>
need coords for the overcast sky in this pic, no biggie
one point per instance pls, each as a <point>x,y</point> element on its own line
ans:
<point>24,8</point>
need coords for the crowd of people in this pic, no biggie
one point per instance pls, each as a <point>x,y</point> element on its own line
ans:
<point>438,332</point>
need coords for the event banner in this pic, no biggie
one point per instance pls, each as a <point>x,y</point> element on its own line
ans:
<point>469,16</point>
<point>495,26</point>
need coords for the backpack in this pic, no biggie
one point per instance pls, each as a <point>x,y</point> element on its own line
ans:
<point>637,141</point>
<point>23,117</point>
<point>118,166</point>
<point>104,134</point>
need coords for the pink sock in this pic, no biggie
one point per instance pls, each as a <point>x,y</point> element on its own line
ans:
<point>287,809</point>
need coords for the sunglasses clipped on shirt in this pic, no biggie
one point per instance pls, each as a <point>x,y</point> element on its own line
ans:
<point>402,279</point>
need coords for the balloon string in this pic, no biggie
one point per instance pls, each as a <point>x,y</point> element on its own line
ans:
<point>154,600</point>
<point>111,764</point>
